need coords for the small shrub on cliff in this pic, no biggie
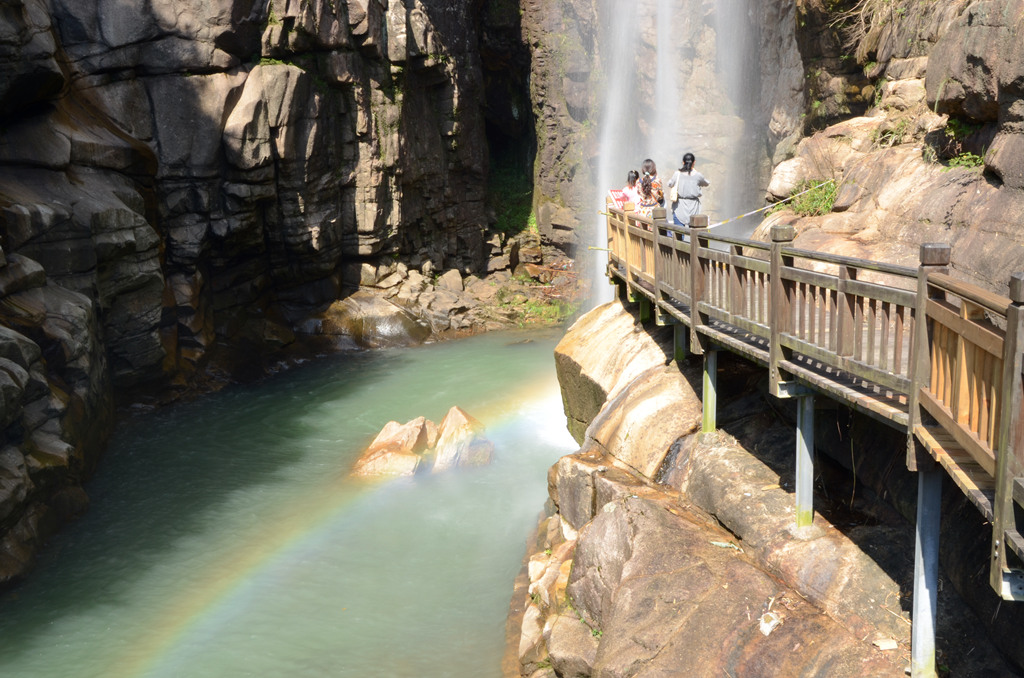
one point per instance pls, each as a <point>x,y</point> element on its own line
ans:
<point>815,202</point>
<point>892,133</point>
<point>818,200</point>
<point>959,144</point>
<point>966,161</point>
<point>959,130</point>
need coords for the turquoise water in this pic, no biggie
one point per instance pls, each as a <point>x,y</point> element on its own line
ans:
<point>225,538</point>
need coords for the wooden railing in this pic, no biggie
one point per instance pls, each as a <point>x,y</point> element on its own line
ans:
<point>966,365</point>
<point>913,347</point>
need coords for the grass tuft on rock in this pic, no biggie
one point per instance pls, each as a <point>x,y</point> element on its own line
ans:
<point>818,200</point>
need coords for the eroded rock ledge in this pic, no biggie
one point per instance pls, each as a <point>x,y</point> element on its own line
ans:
<point>670,552</point>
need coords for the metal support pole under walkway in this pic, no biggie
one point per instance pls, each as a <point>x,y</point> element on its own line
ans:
<point>709,397</point>
<point>805,461</point>
<point>926,572</point>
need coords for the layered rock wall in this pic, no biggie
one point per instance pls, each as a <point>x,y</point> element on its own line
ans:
<point>181,184</point>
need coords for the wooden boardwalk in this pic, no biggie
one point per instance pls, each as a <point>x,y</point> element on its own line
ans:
<point>914,348</point>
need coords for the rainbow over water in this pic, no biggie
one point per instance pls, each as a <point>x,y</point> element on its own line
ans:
<point>230,541</point>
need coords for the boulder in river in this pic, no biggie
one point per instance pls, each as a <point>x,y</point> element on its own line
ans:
<point>460,442</point>
<point>372,322</point>
<point>397,450</point>
<point>404,449</point>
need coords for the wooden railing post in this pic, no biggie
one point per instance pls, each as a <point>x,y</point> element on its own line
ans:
<point>934,259</point>
<point>737,295</point>
<point>697,231</point>
<point>1006,583</point>
<point>614,237</point>
<point>626,254</point>
<point>845,313</point>
<point>780,311</point>
<point>658,223</point>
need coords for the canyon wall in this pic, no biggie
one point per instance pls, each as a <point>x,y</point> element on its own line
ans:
<point>183,183</point>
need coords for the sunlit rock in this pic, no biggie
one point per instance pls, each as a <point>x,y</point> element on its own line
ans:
<point>572,646</point>
<point>590,372</point>
<point>642,423</point>
<point>405,449</point>
<point>656,590</point>
<point>786,177</point>
<point>396,451</point>
<point>451,280</point>
<point>460,442</point>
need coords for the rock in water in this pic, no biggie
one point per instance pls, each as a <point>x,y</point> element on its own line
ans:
<point>397,450</point>
<point>460,442</point>
<point>400,449</point>
<point>372,322</point>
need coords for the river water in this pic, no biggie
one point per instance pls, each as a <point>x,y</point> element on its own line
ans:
<point>225,538</point>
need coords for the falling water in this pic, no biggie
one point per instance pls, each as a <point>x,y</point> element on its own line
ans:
<point>676,82</point>
<point>618,132</point>
<point>739,70</point>
<point>668,113</point>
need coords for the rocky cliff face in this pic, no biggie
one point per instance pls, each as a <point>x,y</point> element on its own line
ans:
<point>919,126</point>
<point>182,183</point>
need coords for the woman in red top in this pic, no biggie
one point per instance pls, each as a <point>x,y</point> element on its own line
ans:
<point>632,188</point>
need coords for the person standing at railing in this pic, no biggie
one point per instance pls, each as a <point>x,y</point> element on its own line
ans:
<point>631,189</point>
<point>649,169</point>
<point>648,197</point>
<point>687,183</point>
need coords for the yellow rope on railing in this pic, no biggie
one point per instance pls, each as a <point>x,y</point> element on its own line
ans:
<point>774,204</point>
<point>747,214</point>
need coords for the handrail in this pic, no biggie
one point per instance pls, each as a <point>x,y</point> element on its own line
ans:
<point>988,300</point>
<point>920,350</point>
<point>840,260</point>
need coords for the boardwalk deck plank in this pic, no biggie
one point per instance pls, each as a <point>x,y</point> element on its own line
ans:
<point>973,480</point>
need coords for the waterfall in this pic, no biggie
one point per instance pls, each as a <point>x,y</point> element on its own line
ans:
<point>618,132</point>
<point>681,75</point>
<point>738,67</point>
<point>667,92</point>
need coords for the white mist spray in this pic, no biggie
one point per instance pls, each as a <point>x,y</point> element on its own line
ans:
<point>618,131</point>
